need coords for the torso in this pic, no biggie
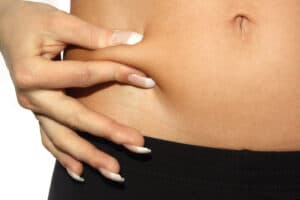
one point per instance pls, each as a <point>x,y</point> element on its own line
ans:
<point>227,72</point>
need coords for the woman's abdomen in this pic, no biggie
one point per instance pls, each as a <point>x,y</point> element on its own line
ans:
<point>227,73</point>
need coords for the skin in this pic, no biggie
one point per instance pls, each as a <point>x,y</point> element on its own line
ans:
<point>227,72</point>
<point>30,48</point>
<point>230,79</point>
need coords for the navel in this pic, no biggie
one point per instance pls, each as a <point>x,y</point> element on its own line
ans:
<point>242,24</point>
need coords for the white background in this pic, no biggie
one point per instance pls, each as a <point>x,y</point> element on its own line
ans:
<point>26,166</point>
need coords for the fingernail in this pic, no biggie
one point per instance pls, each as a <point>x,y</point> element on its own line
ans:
<point>75,176</point>
<point>125,37</point>
<point>137,149</point>
<point>140,80</point>
<point>111,175</point>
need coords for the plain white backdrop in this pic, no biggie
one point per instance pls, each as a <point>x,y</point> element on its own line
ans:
<point>26,166</point>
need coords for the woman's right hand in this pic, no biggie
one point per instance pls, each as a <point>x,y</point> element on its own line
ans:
<point>31,36</point>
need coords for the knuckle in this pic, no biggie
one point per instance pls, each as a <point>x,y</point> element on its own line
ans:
<point>54,19</point>
<point>117,72</point>
<point>116,137</point>
<point>84,76</point>
<point>24,78</point>
<point>111,124</point>
<point>71,116</point>
<point>114,131</point>
<point>92,37</point>
<point>76,119</point>
<point>24,101</point>
<point>59,142</point>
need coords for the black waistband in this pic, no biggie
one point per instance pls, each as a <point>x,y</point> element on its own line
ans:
<point>191,164</point>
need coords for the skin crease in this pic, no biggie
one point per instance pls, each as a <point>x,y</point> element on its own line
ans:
<point>227,72</point>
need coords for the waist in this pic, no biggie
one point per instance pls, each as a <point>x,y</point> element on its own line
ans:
<point>218,83</point>
<point>254,115</point>
<point>206,167</point>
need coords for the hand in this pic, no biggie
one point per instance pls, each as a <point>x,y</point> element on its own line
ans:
<point>32,35</point>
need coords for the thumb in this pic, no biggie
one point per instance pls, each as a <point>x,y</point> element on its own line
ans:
<point>73,30</point>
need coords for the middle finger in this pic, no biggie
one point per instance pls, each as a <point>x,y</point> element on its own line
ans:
<point>74,114</point>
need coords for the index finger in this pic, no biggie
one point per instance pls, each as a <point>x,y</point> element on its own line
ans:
<point>71,29</point>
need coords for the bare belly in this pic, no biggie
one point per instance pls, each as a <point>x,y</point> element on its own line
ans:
<point>227,72</point>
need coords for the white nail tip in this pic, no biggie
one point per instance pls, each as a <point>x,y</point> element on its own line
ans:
<point>149,82</point>
<point>137,149</point>
<point>75,176</point>
<point>111,175</point>
<point>141,80</point>
<point>134,38</point>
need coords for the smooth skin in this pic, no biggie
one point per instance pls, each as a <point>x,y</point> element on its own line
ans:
<point>32,35</point>
<point>226,71</point>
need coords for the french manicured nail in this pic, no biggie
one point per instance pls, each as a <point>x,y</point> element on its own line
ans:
<point>111,175</point>
<point>137,149</point>
<point>125,37</point>
<point>75,176</point>
<point>141,80</point>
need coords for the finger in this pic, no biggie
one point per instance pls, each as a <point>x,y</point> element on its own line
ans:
<point>72,113</point>
<point>63,74</point>
<point>79,32</point>
<point>73,167</point>
<point>70,142</point>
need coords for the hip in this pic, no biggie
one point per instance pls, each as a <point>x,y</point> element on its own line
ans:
<point>179,171</point>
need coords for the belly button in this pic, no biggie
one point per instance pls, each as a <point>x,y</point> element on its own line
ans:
<point>241,22</point>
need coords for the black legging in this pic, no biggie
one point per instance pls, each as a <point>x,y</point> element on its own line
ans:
<point>183,171</point>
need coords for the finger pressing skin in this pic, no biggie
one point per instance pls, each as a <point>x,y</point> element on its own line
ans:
<point>69,142</point>
<point>73,166</point>
<point>79,32</point>
<point>72,113</point>
<point>44,73</point>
